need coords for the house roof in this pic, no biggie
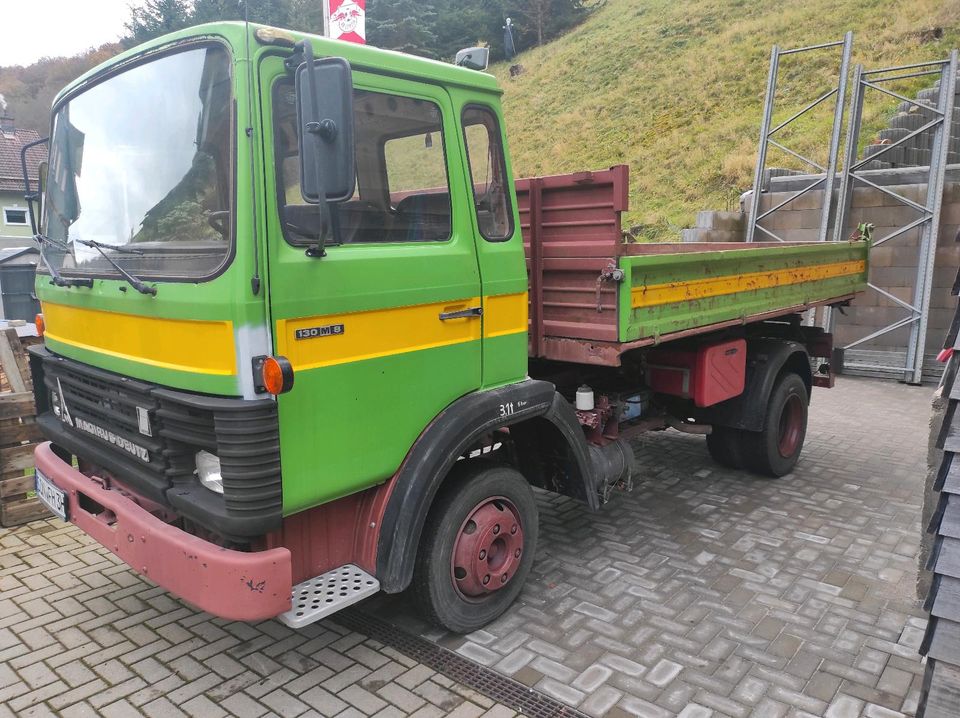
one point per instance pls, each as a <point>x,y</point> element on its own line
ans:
<point>11,174</point>
<point>10,253</point>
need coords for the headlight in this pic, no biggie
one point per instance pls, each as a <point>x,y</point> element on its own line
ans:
<point>208,471</point>
<point>55,403</point>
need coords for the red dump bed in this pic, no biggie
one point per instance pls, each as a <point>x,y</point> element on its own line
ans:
<point>594,295</point>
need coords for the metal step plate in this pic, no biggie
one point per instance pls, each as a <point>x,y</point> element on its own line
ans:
<point>319,597</point>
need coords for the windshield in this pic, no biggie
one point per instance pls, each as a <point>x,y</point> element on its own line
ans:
<point>143,161</point>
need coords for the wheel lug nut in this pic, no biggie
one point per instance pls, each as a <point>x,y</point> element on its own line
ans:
<point>503,578</point>
<point>486,579</point>
<point>513,529</point>
<point>517,553</point>
<point>483,554</point>
<point>496,529</point>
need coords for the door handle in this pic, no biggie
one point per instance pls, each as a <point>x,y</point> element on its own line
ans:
<point>462,314</point>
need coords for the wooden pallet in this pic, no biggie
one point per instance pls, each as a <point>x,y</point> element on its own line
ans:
<point>19,435</point>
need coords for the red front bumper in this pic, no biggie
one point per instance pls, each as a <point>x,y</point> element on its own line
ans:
<point>231,584</point>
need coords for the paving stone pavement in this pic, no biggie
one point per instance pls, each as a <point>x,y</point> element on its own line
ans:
<point>709,592</point>
<point>83,635</point>
<point>705,592</point>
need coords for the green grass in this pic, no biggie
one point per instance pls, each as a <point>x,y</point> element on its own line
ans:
<point>675,89</point>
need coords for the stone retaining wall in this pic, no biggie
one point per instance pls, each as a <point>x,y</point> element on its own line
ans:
<point>893,264</point>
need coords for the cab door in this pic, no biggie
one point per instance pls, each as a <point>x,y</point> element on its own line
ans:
<point>385,330</point>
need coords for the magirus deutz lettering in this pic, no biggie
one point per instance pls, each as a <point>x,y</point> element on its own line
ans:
<point>107,435</point>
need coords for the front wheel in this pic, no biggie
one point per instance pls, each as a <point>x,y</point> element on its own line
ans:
<point>477,547</point>
<point>775,449</point>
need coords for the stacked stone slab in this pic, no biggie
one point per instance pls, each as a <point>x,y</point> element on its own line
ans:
<point>716,227</point>
<point>940,697</point>
<point>916,151</point>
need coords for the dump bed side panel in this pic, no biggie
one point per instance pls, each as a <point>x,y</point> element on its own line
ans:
<point>666,293</point>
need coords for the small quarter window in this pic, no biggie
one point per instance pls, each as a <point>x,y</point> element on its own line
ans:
<point>16,217</point>
<point>488,173</point>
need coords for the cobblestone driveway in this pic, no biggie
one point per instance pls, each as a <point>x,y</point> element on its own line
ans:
<point>711,592</point>
<point>705,592</point>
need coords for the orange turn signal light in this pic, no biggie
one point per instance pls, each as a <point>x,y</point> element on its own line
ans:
<point>275,374</point>
<point>41,327</point>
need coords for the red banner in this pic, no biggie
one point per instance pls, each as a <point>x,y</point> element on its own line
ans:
<point>347,20</point>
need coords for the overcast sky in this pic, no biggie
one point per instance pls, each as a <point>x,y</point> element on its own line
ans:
<point>37,28</point>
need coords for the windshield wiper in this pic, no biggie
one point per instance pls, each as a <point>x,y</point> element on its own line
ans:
<point>103,245</point>
<point>55,277</point>
<point>131,280</point>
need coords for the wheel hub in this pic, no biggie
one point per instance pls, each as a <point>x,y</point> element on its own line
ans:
<point>488,548</point>
<point>791,426</point>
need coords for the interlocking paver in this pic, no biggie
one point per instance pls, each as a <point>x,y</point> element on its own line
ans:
<point>731,593</point>
<point>704,592</point>
<point>114,657</point>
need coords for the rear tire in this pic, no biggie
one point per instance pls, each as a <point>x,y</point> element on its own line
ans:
<point>725,446</point>
<point>775,450</point>
<point>477,547</point>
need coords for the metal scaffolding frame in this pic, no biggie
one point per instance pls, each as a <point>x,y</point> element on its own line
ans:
<point>929,220</point>
<point>827,173</point>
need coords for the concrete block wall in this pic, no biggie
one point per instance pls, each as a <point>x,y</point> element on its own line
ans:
<point>893,264</point>
<point>716,227</point>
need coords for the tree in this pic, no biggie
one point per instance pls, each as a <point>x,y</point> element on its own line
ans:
<point>537,12</point>
<point>465,23</point>
<point>306,15</point>
<point>214,10</point>
<point>157,17</point>
<point>268,12</point>
<point>404,25</point>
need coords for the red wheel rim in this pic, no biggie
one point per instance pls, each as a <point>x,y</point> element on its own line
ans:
<point>488,549</point>
<point>791,426</point>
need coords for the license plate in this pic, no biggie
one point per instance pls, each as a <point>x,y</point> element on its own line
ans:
<point>52,497</point>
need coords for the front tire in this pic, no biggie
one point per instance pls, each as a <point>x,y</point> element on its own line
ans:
<point>775,450</point>
<point>477,547</point>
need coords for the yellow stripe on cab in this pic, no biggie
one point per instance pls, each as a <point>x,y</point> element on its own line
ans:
<point>329,339</point>
<point>504,314</point>
<point>199,346</point>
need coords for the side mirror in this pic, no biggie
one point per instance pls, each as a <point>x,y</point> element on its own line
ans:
<point>42,190</point>
<point>325,125</point>
<point>28,193</point>
<point>473,58</point>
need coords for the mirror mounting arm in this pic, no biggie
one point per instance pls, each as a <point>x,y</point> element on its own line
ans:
<point>295,59</point>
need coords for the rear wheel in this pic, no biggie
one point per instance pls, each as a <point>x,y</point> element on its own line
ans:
<point>477,547</point>
<point>724,445</point>
<point>775,450</point>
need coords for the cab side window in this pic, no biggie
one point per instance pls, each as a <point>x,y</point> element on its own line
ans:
<point>488,173</point>
<point>402,192</point>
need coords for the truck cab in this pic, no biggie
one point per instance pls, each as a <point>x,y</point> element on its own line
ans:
<point>178,164</point>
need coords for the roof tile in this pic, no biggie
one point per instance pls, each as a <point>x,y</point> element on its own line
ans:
<point>11,143</point>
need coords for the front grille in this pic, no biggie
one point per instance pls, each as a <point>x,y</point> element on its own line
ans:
<point>249,448</point>
<point>244,434</point>
<point>107,413</point>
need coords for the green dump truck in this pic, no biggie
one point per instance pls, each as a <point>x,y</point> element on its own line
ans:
<point>306,338</point>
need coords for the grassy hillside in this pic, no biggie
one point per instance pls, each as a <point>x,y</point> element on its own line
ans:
<point>675,89</point>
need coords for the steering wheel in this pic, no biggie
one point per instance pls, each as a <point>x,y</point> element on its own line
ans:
<point>218,220</point>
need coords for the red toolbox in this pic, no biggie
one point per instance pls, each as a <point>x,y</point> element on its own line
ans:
<point>707,374</point>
